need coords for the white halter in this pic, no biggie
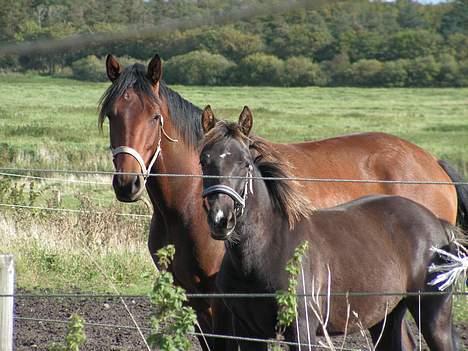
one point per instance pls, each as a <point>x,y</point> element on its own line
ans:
<point>131,151</point>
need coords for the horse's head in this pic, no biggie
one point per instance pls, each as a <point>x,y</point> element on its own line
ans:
<point>225,152</point>
<point>136,115</point>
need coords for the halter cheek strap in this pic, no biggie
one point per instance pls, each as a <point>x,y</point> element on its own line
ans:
<point>136,155</point>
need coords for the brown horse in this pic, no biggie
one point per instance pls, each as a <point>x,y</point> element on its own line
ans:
<point>377,243</point>
<point>145,118</point>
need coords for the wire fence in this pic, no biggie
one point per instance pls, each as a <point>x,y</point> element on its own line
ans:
<point>236,296</point>
<point>207,335</point>
<point>25,173</point>
<point>202,176</point>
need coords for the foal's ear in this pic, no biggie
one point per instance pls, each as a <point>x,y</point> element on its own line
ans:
<point>112,68</point>
<point>245,121</point>
<point>208,119</point>
<point>155,69</point>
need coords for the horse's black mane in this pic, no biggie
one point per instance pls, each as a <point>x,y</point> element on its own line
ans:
<point>184,115</point>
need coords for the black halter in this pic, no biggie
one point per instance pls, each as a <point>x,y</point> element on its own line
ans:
<point>239,200</point>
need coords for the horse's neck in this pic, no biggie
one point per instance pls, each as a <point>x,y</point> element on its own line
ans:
<point>171,191</point>
<point>260,232</point>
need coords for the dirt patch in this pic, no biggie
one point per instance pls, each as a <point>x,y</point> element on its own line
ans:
<point>110,314</point>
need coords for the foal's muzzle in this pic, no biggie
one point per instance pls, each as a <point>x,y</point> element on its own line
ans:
<point>221,216</point>
<point>223,205</point>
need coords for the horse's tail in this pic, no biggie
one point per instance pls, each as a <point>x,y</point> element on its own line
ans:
<point>462,194</point>
<point>451,261</point>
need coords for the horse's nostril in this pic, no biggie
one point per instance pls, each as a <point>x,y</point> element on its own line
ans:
<point>137,182</point>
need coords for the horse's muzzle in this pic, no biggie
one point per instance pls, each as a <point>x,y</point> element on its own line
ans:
<point>222,222</point>
<point>128,188</point>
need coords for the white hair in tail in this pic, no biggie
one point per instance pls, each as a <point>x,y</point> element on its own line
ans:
<point>455,265</point>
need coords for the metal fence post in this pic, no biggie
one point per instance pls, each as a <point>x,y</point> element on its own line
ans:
<point>7,276</point>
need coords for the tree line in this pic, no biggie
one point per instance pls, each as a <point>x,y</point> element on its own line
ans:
<point>345,43</point>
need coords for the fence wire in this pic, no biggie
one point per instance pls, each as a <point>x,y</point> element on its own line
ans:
<point>70,210</point>
<point>208,335</point>
<point>202,176</point>
<point>234,296</point>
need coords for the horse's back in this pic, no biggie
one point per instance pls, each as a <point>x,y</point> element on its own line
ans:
<point>381,229</point>
<point>370,156</point>
<point>374,244</point>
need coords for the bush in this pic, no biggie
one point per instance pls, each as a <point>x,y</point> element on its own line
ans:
<point>90,68</point>
<point>449,71</point>
<point>301,71</point>
<point>336,69</point>
<point>462,79</point>
<point>393,74</point>
<point>364,73</point>
<point>260,69</point>
<point>422,71</point>
<point>198,68</point>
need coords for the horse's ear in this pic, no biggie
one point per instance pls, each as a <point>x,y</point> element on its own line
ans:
<point>112,68</point>
<point>155,69</point>
<point>208,119</point>
<point>246,121</point>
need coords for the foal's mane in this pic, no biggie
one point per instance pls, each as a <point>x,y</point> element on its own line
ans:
<point>284,194</point>
<point>184,115</point>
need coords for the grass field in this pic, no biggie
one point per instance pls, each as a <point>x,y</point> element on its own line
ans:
<point>52,123</point>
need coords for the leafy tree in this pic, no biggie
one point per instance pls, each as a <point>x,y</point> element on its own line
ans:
<point>301,71</point>
<point>411,44</point>
<point>393,74</point>
<point>457,45</point>
<point>364,73</point>
<point>456,19</point>
<point>423,71</point>
<point>198,67</point>
<point>449,71</point>
<point>303,38</point>
<point>260,69</point>
<point>229,42</point>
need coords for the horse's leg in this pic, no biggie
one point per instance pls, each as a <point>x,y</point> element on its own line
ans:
<point>392,332</point>
<point>435,320</point>
<point>204,322</point>
<point>303,332</point>
<point>223,325</point>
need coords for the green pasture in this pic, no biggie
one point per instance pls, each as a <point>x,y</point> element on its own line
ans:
<point>51,123</point>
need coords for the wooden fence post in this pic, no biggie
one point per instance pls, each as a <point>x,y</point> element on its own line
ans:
<point>7,276</point>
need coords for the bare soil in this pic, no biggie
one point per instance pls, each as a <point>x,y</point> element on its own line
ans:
<point>32,334</point>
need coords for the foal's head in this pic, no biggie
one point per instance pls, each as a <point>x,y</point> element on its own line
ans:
<point>225,152</point>
<point>230,151</point>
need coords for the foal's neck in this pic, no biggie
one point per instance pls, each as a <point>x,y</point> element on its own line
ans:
<point>259,232</point>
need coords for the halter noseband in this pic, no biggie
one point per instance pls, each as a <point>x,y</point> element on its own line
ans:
<point>136,155</point>
<point>239,200</point>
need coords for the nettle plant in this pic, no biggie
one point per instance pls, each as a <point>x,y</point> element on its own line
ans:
<point>171,321</point>
<point>287,300</point>
<point>75,337</point>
